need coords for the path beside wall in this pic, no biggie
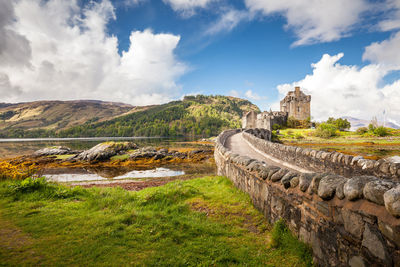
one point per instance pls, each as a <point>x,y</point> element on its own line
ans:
<point>348,221</point>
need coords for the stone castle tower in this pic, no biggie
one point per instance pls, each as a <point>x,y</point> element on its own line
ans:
<point>296,104</point>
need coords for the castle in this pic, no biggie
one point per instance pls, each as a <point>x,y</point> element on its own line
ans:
<point>296,104</point>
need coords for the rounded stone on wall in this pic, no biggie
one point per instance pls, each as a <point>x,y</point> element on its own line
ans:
<point>294,182</point>
<point>353,188</point>
<point>287,178</point>
<point>392,201</point>
<point>356,261</point>
<point>374,190</point>
<point>327,186</point>
<point>278,175</point>
<point>305,180</point>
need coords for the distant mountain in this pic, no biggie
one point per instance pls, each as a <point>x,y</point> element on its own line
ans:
<point>357,123</point>
<point>194,115</point>
<point>57,115</point>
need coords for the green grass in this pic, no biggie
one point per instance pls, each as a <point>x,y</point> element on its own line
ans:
<point>120,157</point>
<point>343,137</point>
<point>202,222</point>
<point>64,156</point>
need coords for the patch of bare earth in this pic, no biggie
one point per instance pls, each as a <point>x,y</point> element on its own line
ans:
<point>135,185</point>
<point>248,221</point>
<point>16,246</point>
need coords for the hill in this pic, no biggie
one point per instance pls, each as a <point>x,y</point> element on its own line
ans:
<point>194,115</point>
<point>57,115</point>
<point>357,123</point>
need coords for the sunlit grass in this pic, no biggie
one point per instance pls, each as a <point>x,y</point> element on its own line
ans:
<point>204,221</point>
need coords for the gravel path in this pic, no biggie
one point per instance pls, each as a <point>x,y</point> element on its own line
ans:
<point>239,145</point>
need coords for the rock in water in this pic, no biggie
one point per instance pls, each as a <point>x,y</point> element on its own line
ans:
<point>54,150</point>
<point>104,151</point>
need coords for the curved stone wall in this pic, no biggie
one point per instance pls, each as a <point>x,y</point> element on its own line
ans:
<point>347,221</point>
<point>321,161</point>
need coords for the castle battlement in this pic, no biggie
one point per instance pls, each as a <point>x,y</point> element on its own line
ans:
<point>296,104</point>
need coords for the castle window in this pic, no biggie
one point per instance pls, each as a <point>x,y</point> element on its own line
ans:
<point>298,109</point>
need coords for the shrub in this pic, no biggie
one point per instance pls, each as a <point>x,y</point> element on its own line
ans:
<point>276,127</point>
<point>326,130</point>
<point>341,124</point>
<point>299,136</point>
<point>28,185</point>
<point>381,131</point>
<point>17,171</point>
<point>362,130</point>
<point>371,128</point>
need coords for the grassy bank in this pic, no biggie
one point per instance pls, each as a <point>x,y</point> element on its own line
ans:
<point>204,221</point>
<point>342,137</point>
<point>351,143</point>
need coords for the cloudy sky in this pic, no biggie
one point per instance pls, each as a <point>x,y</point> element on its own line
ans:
<point>346,54</point>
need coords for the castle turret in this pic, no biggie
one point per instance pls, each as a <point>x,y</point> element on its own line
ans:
<point>297,104</point>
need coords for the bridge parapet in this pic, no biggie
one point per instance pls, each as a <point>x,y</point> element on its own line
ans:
<point>348,221</point>
<point>321,161</point>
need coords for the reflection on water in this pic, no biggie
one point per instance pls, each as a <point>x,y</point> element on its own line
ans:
<point>79,175</point>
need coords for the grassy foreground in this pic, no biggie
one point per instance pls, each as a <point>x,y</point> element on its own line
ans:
<point>204,221</point>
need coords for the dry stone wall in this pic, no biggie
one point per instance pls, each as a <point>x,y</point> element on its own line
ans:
<point>321,161</point>
<point>348,221</point>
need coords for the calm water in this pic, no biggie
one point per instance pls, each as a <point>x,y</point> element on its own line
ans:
<point>18,147</point>
<point>84,175</point>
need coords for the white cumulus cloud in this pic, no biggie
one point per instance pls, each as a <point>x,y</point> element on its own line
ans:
<point>341,90</point>
<point>72,56</point>
<point>314,21</point>
<point>385,52</point>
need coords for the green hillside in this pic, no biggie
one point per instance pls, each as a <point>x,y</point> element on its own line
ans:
<point>193,116</point>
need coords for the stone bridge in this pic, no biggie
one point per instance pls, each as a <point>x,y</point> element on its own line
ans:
<point>347,208</point>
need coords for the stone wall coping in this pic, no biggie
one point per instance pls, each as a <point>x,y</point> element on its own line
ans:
<point>325,185</point>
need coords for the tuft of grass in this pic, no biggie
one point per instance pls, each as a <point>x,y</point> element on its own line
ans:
<point>282,238</point>
<point>204,221</point>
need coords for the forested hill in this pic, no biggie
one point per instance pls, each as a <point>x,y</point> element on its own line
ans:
<point>193,116</point>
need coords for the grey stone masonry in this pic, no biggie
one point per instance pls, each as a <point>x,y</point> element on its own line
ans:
<point>348,220</point>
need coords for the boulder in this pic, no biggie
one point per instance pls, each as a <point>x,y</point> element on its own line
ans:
<point>392,201</point>
<point>54,150</point>
<point>104,151</point>
<point>374,190</point>
<point>327,186</point>
<point>353,188</point>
